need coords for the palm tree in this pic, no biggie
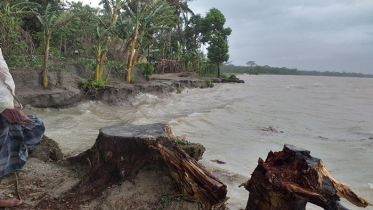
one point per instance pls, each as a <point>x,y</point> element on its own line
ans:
<point>51,21</point>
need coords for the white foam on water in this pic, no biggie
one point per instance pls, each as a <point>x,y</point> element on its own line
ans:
<point>332,117</point>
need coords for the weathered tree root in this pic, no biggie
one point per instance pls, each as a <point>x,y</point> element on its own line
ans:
<point>120,152</point>
<point>292,177</point>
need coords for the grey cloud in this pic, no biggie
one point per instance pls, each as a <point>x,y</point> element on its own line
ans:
<point>308,35</point>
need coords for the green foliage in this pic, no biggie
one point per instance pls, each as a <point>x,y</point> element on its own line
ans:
<point>168,199</point>
<point>212,24</point>
<point>217,37</point>
<point>146,68</point>
<point>92,86</point>
<point>179,141</point>
<point>88,63</point>
<point>224,75</point>
<point>36,61</point>
<point>14,40</point>
<point>208,81</point>
<point>254,71</point>
<point>54,53</point>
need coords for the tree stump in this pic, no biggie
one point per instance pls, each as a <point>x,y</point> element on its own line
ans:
<point>121,151</point>
<point>292,177</point>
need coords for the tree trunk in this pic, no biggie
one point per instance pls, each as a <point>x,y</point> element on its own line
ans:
<point>65,46</point>
<point>121,151</point>
<point>97,69</point>
<point>61,43</point>
<point>132,52</point>
<point>102,63</point>
<point>292,177</point>
<point>46,60</point>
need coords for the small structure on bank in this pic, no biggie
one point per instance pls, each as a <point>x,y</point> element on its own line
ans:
<point>167,66</point>
<point>292,177</point>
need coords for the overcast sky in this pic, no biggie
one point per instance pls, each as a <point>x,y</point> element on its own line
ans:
<point>322,35</point>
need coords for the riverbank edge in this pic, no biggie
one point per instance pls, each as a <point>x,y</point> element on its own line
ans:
<point>49,181</point>
<point>64,88</point>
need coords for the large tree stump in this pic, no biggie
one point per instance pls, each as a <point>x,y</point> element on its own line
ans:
<point>121,151</point>
<point>292,177</point>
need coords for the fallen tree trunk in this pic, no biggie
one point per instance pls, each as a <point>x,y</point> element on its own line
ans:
<point>292,177</point>
<point>121,151</point>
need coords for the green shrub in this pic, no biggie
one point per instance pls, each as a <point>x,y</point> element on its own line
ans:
<point>146,68</point>
<point>208,81</point>
<point>54,53</point>
<point>224,75</point>
<point>168,199</point>
<point>92,86</point>
<point>179,141</point>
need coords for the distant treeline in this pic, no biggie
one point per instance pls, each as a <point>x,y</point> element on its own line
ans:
<point>229,68</point>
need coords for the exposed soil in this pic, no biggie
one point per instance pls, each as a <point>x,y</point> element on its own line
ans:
<point>47,178</point>
<point>64,88</point>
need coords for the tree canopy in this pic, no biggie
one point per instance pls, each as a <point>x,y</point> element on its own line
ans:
<point>216,36</point>
<point>36,33</point>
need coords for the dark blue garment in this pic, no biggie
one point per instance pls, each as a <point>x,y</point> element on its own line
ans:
<point>14,140</point>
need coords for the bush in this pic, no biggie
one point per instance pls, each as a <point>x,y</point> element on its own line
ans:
<point>145,68</point>
<point>224,75</point>
<point>54,53</point>
<point>92,86</point>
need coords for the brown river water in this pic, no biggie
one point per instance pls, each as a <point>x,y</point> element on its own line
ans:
<point>330,116</point>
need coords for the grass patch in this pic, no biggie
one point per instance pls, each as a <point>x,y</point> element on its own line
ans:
<point>179,141</point>
<point>168,199</point>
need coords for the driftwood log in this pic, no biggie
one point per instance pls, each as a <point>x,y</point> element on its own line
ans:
<point>120,152</point>
<point>292,177</point>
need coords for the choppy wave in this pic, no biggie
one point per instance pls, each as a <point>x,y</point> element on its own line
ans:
<point>228,120</point>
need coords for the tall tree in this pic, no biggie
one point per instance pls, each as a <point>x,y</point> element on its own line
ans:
<point>251,64</point>
<point>148,17</point>
<point>216,36</point>
<point>112,7</point>
<point>50,21</point>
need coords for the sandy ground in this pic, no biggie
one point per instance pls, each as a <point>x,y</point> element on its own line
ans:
<point>47,178</point>
<point>43,185</point>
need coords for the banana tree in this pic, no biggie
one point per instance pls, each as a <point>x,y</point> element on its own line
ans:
<point>101,51</point>
<point>12,36</point>
<point>10,9</point>
<point>135,14</point>
<point>147,17</point>
<point>181,10</point>
<point>50,21</point>
<point>102,47</point>
<point>160,18</point>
